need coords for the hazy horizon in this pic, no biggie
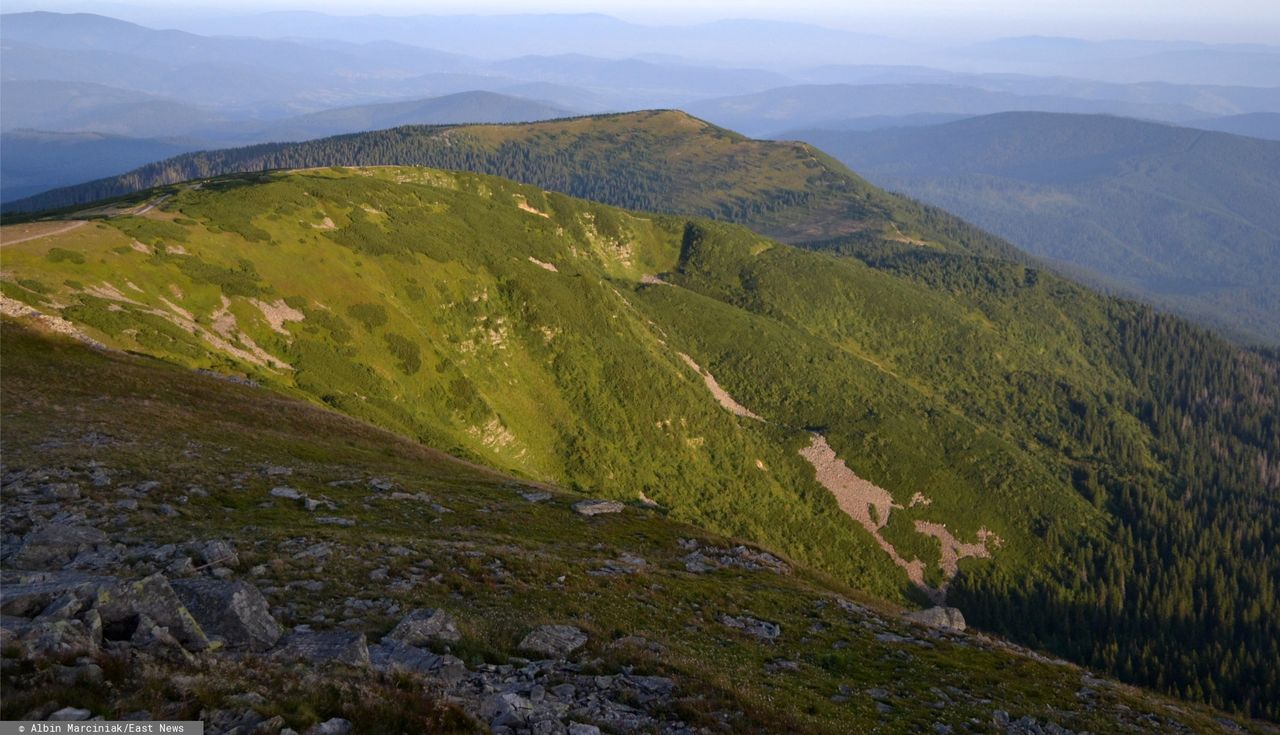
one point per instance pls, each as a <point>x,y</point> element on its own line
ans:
<point>1238,21</point>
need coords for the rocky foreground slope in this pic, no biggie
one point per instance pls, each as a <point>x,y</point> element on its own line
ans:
<point>184,546</point>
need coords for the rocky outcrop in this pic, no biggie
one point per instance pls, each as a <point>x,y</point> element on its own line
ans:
<point>945,618</point>
<point>324,647</point>
<point>554,641</point>
<point>55,545</point>
<point>122,606</point>
<point>424,626</point>
<point>235,612</point>
<point>762,629</point>
<point>597,507</point>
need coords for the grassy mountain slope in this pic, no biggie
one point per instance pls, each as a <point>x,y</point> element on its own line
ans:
<point>1184,218</point>
<point>498,563</point>
<point>1055,428</point>
<point>663,161</point>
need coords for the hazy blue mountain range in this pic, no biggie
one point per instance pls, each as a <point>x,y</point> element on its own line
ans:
<point>1187,219</point>
<point>830,105</point>
<point>35,160</point>
<point>1253,124</point>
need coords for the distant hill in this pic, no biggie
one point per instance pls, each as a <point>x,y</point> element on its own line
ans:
<point>90,107</point>
<point>1184,218</point>
<point>1264,125</point>
<point>821,105</point>
<point>33,161</point>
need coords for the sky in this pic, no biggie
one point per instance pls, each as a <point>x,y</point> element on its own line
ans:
<point>1256,21</point>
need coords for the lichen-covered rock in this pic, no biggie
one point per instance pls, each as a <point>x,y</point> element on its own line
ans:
<point>554,641</point>
<point>31,596</point>
<point>236,612</point>
<point>426,625</point>
<point>122,605</point>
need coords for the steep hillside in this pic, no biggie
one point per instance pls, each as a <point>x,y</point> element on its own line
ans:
<point>663,161</point>
<point>916,423</point>
<point>1186,219</point>
<point>150,467</point>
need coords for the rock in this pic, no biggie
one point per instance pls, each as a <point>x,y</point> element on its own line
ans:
<point>945,618</point>
<point>554,641</point>
<point>286,492</point>
<point>182,567</point>
<point>505,709</point>
<point>122,605</point>
<point>236,612</point>
<point>28,598</point>
<point>334,726</point>
<point>423,626</point>
<point>55,639</point>
<point>577,728</point>
<point>340,646</point>
<point>702,559</point>
<point>535,496</point>
<point>55,545</point>
<point>596,507</point>
<point>335,521</point>
<point>220,553</point>
<point>395,656</point>
<point>761,629</point>
<point>70,714</point>
<point>156,640</point>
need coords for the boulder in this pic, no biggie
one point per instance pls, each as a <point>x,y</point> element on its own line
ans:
<point>70,714</point>
<point>322,647</point>
<point>596,507</point>
<point>122,606</point>
<point>944,618</point>
<point>34,593</point>
<point>220,553</point>
<point>54,639</point>
<point>236,612</point>
<point>554,641</point>
<point>761,629</point>
<point>334,726</point>
<point>55,545</point>
<point>505,709</point>
<point>423,626</point>
<point>157,641</point>
<point>392,655</point>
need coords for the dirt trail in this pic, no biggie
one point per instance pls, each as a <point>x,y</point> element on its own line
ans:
<point>37,235</point>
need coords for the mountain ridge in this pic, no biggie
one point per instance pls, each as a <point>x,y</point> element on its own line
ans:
<point>543,335</point>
